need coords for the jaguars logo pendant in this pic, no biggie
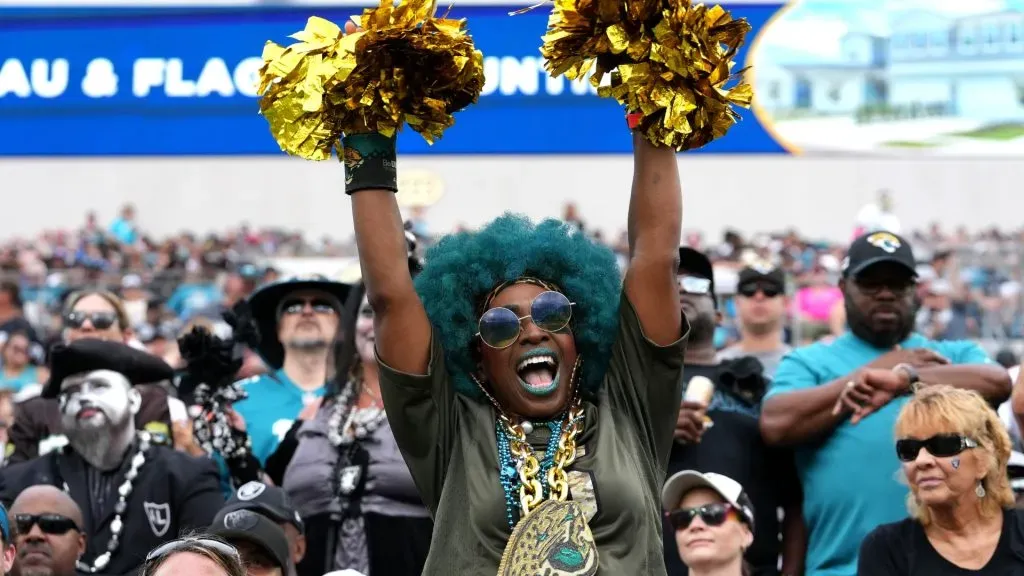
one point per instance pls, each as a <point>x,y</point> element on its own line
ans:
<point>553,540</point>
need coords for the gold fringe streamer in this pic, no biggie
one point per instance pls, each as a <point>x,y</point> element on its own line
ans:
<point>668,60</point>
<point>403,67</point>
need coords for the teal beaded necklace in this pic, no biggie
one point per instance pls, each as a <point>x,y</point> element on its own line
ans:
<point>509,473</point>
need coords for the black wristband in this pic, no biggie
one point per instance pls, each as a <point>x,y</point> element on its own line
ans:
<point>369,162</point>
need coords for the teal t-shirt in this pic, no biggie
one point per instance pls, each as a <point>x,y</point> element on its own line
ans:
<point>273,404</point>
<point>851,480</point>
<point>29,375</point>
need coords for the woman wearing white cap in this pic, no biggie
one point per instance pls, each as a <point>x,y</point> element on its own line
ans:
<point>713,519</point>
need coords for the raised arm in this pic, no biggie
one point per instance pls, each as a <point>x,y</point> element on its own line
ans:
<point>655,221</point>
<point>401,324</point>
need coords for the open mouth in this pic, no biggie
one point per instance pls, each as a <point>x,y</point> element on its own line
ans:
<point>87,413</point>
<point>538,372</point>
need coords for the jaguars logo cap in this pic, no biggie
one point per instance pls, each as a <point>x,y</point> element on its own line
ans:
<point>875,248</point>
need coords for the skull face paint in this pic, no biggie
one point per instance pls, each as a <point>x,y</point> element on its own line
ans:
<point>101,399</point>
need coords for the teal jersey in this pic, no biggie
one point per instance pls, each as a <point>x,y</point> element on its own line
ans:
<point>272,405</point>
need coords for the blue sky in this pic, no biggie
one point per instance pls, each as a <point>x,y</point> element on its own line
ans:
<point>815,26</point>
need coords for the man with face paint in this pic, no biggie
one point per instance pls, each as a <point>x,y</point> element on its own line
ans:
<point>133,494</point>
<point>731,443</point>
<point>298,322</point>
<point>92,314</point>
<point>837,402</point>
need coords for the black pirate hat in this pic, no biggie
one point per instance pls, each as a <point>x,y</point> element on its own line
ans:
<point>89,354</point>
<point>264,304</point>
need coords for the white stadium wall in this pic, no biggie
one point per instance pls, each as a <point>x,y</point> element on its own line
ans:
<point>818,195</point>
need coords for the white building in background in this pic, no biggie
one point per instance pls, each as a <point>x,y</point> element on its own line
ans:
<point>975,64</point>
<point>971,67</point>
<point>845,84</point>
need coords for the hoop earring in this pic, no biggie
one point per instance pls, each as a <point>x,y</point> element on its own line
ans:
<point>980,490</point>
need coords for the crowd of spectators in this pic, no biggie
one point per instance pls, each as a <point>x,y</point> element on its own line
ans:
<point>971,284</point>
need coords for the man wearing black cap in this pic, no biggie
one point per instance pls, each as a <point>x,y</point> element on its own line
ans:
<point>298,321</point>
<point>272,502</point>
<point>717,432</point>
<point>760,313</point>
<point>134,495</point>
<point>837,402</point>
<point>260,542</point>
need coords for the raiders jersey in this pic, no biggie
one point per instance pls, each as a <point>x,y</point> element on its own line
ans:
<point>173,493</point>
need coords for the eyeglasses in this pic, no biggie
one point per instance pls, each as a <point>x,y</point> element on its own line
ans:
<point>711,514</point>
<point>500,327</point>
<point>218,547</point>
<point>873,286</point>
<point>751,290</point>
<point>297,305</point>
<point>695,285</point>
<point>940,446</point>
<point>49,523</point>
<point>99,320</point>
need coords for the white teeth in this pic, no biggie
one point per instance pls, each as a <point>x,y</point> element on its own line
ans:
<point>549,360</point>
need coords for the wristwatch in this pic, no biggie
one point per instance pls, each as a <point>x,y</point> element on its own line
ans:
<point>912,375</point>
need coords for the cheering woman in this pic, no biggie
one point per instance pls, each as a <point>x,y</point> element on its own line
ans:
<point>516,338</point>
<point>532,392</point>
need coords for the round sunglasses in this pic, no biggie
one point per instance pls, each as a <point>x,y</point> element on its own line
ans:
<point>711,514</point>
<point>940,446</point>
<point>500,327</point>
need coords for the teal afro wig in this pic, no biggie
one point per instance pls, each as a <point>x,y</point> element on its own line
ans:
<point>462,269</point>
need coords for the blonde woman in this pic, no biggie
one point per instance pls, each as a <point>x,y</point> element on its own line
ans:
<point>954,452</point>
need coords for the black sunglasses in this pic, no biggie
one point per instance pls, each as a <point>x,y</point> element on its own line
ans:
<point>48,523</point>
<point>711,514</point>
<point>218,547</point>
<point>500,327</point>
<point>297,305</point>
<point>99,320</point>
<point>940,446</point>
<point>751,290</point>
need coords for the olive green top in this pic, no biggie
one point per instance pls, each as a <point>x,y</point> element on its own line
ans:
<point>449,444</point>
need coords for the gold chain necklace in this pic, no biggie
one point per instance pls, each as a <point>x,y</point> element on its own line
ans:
<point>531,492</point>
<point>552,536</point>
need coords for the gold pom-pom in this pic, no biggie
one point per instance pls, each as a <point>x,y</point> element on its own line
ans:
<point>404,67</point>
<point>668,60</point>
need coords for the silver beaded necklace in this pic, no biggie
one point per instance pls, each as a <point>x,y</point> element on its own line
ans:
<point>347,423</point>
<point>117,524</point>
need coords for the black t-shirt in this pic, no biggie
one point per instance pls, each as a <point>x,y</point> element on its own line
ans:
<point>902,549</point>
<point>733,447</point>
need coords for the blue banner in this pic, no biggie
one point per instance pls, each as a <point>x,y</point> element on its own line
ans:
<point>88,82</point>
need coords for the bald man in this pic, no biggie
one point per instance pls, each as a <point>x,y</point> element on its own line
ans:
<point>49,537</point>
